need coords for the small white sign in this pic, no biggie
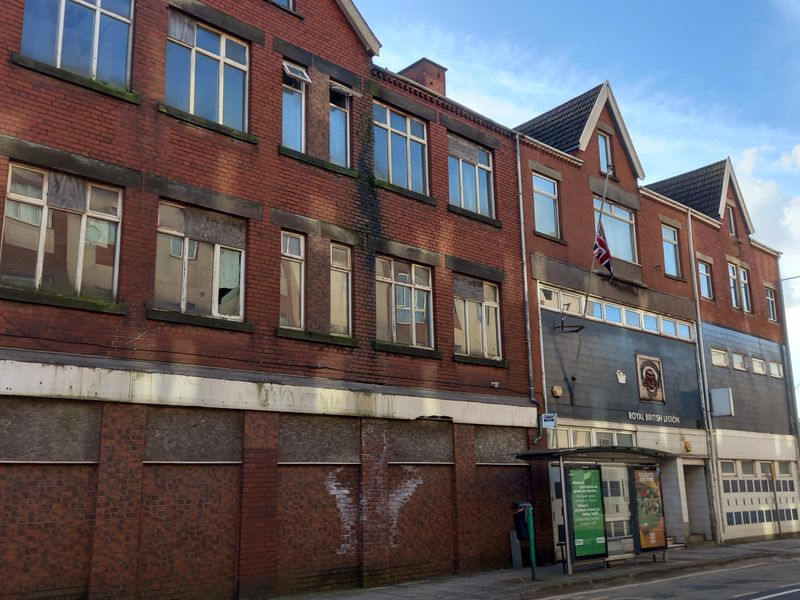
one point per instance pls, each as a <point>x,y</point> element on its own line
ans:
<point>548,420</point>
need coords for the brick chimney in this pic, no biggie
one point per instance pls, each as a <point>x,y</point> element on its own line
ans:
<point>428,73</point>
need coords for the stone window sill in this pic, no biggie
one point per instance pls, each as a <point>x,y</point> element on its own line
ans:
<point>313,336</point>
<point>49,299</point>
<point>404,192</point>
<point>96,86</point>
<point>317,162</point>
<point>549,238</point>
<point>206,124</point>
<point>407,350</point>
<point>477,360</point>
<point>173,316</point>
<point>473,215</point>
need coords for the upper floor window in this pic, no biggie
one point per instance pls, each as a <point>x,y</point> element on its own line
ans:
<point>60,234</point>
<point>285,3</point>
<point>772,304</point>
<point>604,148</point>
<point>619,225</point>
<point>206,72</point>
<point>733,284</point>
<point>403,303</point>
<point>706,284</point>
<point>719,358</point>
<point>739,361</point>
<point>88,37</point>
<point>476,317</point>
<point>739,283</point>
<point>341,290</point>
<point>292,280</point>
<point>731,221</point>
<point>340,125</point>
<point>295,79</point>
<point>200,262</point>
<point>776,369</point>
<point>400,143</point>
<point>669,241</point>
<point>759,366</point>
<point>545,206</point>
<point>470,171</point>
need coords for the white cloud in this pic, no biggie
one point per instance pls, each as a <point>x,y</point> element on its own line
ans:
<point>791,160</point>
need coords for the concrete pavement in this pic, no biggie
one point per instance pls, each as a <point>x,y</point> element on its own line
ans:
<point>515,584</point>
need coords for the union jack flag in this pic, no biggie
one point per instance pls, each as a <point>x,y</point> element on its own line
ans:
<point>601,251</point>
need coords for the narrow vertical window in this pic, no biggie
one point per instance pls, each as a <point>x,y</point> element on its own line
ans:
<point>294,107</point>
<point>604,148</point>
<point>341,290</point>
<point>340,125</point>
<point>60,234</point>
<point>733,283</point>
<point>87,37</point>
<point>292,280</point>
<point>731,221</point>
<point>404,310</point>
<point>744,289</point>
<point>772,304</point>
<point>206,72</point>
<point>545,206</point>
<point>704,276</point>
<point>669,241</point>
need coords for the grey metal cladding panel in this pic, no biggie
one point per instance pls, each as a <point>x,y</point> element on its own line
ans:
<point>420,441</point>
<point>193,435</point>
<point>49,430</point>
<point>761,402</point>
<point>604,349</point>
<point>305,438</point>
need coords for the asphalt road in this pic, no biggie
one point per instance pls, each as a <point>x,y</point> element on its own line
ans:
<point>778,579</point>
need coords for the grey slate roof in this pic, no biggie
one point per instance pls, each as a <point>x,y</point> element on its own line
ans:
<point>562,126</point>
<point>700,189</point>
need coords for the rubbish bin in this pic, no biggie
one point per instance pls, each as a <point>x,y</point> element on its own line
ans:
<point>520,524</point>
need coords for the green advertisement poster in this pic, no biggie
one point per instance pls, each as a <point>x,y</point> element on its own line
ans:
<point>587,515</point>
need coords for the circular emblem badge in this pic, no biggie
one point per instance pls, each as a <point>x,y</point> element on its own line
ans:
<point>650,376</point>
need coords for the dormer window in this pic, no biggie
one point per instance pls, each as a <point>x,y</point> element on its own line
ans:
<point>604,147</point>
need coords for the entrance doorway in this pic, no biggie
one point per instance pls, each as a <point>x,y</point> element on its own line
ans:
<point>694,477</point>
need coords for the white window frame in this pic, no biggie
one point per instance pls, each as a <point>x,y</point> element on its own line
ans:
<point>734,357</point>
<point>752,463</point>
<point>731,220</point>
<point>409,137</point>
<point>759,365</point>
<point>604,153</point>
<point>733,473</point>
<point>575,430</point>
<point>85,216</point>
<point>788,464</point>
<point>720,354</point>
<point>186,257</point>
<point>598,432</point>
<point>223,60</point>
<point>348,94</point>
<point>630,433</point>
<point>607,210</point>
<point>486,306</point>
<point>479,166</point>
<point>704,274</point>
<point>349,272</point>
<point>549,196</point>
<point>99,10</point>
<point>674,246</point>
<point>772,304</point>
<point>776,370</point>
<point>733,284</point>
<point>744,290</point>
<point>298,74</point>
<point>301,259</point>
<point>413,286</point>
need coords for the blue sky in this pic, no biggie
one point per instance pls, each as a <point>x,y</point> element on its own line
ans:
<point>696,81</point>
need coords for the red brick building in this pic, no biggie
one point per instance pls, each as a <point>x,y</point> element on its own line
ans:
<point>246,349</point>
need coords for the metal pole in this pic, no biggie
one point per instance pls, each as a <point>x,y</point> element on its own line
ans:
<point>531,545</point>
<point>565,515</point>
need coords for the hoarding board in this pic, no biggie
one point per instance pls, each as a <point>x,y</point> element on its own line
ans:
<point>649,509</point>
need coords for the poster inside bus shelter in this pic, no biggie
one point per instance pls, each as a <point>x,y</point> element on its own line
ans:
<point>649,508</point>
<point>587,513</point>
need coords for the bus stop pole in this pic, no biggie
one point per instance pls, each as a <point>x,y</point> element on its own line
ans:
<point>565,515</point>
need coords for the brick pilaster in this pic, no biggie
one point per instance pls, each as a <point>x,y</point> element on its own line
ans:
<point>467,549</point>
<point>374,502</point>
<point>115,545</point>
<point>258,536</point>
<point>540,498</point>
